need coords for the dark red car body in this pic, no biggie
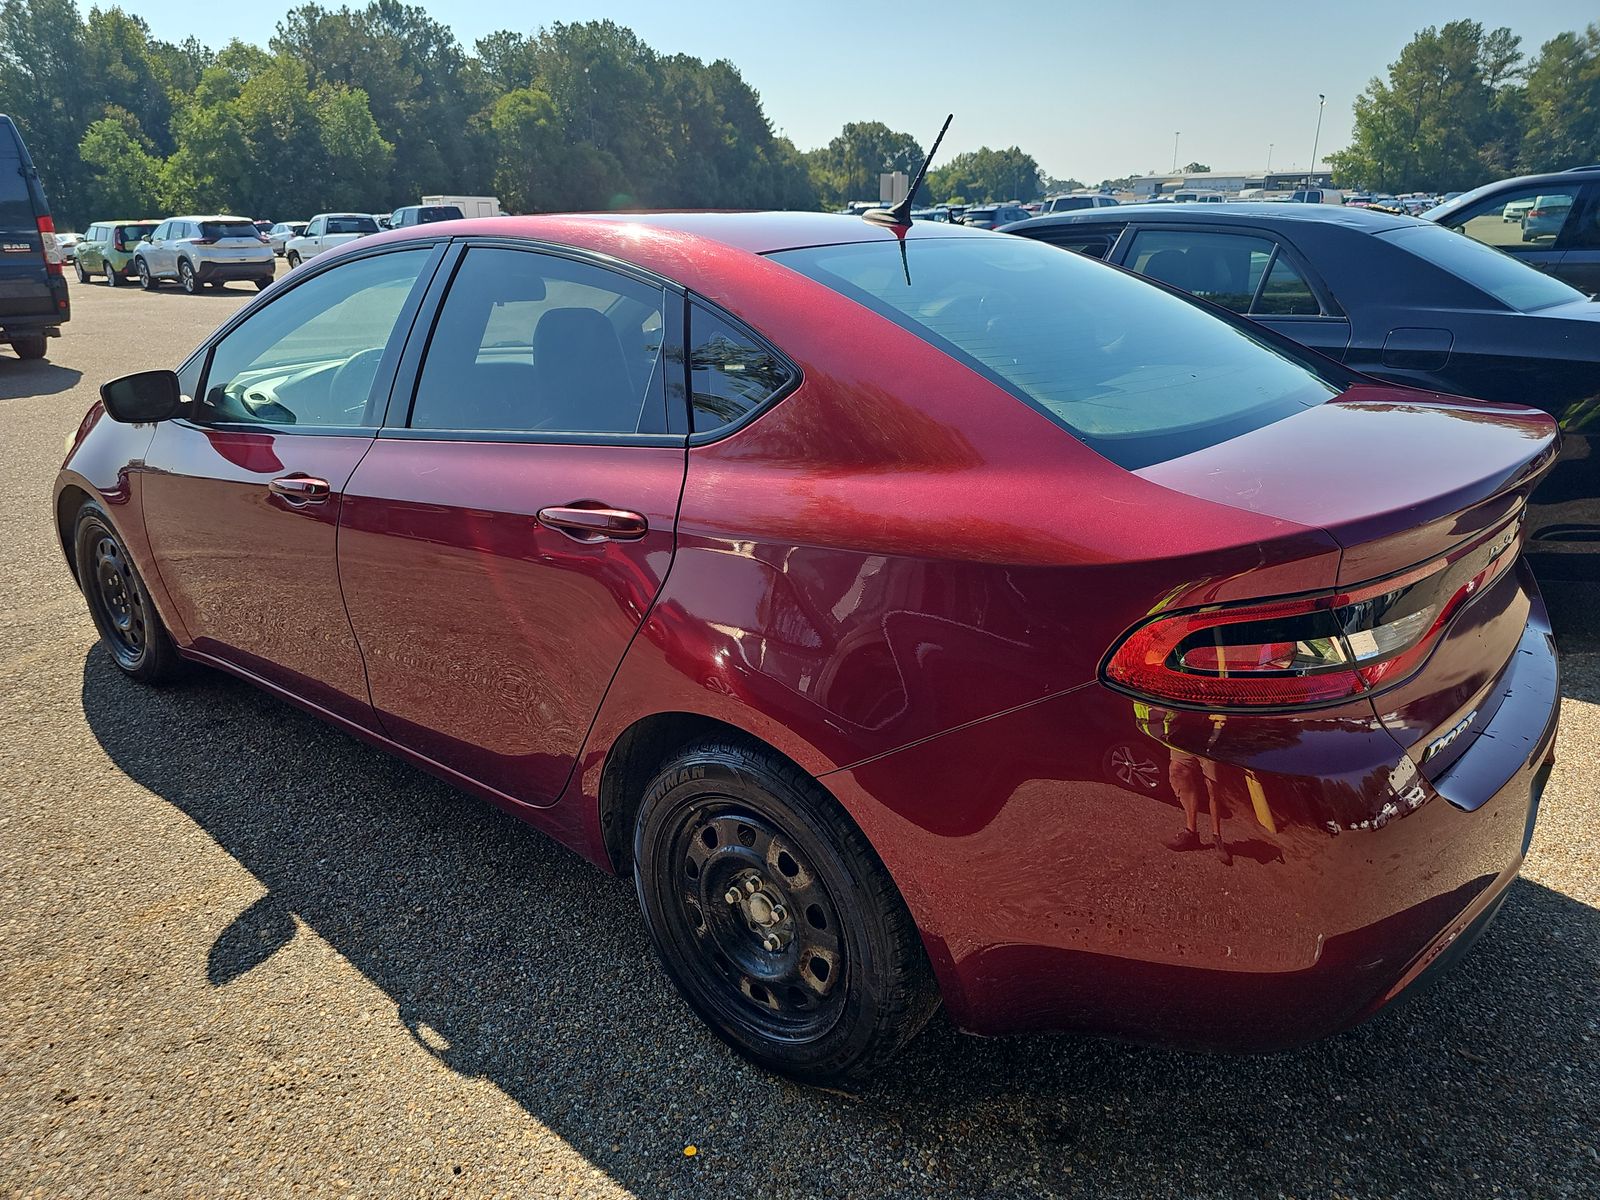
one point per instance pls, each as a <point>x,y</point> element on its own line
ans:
<point>908,582</point>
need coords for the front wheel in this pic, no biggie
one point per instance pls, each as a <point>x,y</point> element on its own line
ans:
<point>774,917</point>
<point>186,277</point>
<point>77,266</point>
<point>120,603</point>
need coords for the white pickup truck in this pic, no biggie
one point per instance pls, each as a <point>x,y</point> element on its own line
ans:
<point>325,231</point>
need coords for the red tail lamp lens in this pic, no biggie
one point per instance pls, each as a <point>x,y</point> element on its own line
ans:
<point>1306,651</point>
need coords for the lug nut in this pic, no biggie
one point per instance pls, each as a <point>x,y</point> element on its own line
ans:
<point>778,912</point>
<point>752,885</point>
<point>772,942</point>
<point>731,895</point>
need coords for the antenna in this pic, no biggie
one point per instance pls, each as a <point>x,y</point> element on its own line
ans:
<point>900,214</point>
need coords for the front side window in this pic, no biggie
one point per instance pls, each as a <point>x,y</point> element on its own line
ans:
<point>534,343</point>
<point>1521,219</point>
<point>1137,373</point>
<point>731,372</point>
<point>309,359</point>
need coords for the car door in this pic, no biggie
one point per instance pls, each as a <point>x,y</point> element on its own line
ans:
<point>1580,264</point>
<point>89,250</point>
<point>1248,271</point>
<point>241,497</point>
<point>312,237</point>
<point>1502,220</point>
<point>157,253</point>
<point>501,543</point>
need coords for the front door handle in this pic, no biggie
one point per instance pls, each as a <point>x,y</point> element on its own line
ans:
<point>300,489</point>
<point>593,522</point>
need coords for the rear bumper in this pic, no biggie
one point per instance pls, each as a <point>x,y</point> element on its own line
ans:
<point>1046,857</point>
<point>225,272</point>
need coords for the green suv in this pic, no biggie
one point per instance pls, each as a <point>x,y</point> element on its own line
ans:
<point>107,248</point>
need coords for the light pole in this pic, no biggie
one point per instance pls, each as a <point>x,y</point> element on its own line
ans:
<point>1321,101</point>
<point>1175,138</point>
<point>1269,158</point>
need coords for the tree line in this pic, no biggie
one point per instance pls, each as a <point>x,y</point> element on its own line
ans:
<point>1463,105</point>
<point>369,108</point>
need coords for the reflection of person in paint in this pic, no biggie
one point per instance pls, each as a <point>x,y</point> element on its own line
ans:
<point>1194,779</point>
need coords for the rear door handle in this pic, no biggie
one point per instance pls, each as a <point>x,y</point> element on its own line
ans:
<point>585,522</point>
<point>300,489</point>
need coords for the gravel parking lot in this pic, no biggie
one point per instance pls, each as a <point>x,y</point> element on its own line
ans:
<point>244,954</point>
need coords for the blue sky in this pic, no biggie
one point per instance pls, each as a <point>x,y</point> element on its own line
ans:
<point>1091,90</point>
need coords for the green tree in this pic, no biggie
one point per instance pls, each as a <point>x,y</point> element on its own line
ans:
<point>1196,168</point>
<point>1563,103</point>
<point>1438,122</point>
<point>847,168</point>
<point>985,174</point>
<point>124,176</point>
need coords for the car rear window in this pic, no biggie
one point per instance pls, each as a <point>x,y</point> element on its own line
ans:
<point>1137,373</point>
<point>1513,283</point>
<point>228,229</point>
<point>134,233</point>
<point>438,212</point>
<point>352,225</point>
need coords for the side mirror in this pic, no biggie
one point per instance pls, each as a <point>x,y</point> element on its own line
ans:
<point>143,398</point>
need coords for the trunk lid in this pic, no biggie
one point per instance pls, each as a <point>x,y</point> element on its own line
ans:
<point>1420,490</point>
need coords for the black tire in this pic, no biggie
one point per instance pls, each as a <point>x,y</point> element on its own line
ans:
<point>775,919</point>
<point>113,276</point>
<point>31,346</point>
<point>187,278</point>
<point>294,260</point>
<point>120,603</point>
<point>77,266</point>
<point>146,280</point>
<point>263,284</point>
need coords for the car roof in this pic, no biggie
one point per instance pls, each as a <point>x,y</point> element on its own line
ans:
<point>1244,212</point>
<point>754,232</point>
<point>1568,178</point>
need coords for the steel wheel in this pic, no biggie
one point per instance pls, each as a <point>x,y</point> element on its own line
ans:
<point>751,908</point>
<point>119,602</point>
<point>774,917</point>
<point>116,594</point>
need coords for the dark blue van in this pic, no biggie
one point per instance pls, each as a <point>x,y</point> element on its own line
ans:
<point>33,288</point>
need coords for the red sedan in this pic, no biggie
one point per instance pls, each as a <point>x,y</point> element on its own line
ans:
<point>914,613</point>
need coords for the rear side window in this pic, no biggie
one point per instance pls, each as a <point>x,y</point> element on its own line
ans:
<point>438,212</point>
<point>535,343</point>
<point>1091,245</point>
<point>1138,374</point>
<point>731,371</point>
<point>1224,268</point>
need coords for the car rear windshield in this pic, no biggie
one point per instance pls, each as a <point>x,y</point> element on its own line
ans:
<point>133,233</point>
<point>438,212</point>
<point>352,225</point>
<point>1138,373</point>
<point>229,229</point>
<point>1514,284</point>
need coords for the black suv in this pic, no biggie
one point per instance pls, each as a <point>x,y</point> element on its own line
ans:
<point>992,216</point>
<point>423,214</point>
<point>1548,221</point>
<point>33,288</point>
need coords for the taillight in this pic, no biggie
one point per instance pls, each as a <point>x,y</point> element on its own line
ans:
<point>1536,212</point>
<point>1308,650</point>
<point>205,241</point>
<point>119,245</point>
<point>52,252</point>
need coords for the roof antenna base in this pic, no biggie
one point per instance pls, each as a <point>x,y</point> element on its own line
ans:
<point>899,216</point>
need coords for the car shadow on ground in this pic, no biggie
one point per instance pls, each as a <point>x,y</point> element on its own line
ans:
<point>21,378</point>
<point>512,960</point>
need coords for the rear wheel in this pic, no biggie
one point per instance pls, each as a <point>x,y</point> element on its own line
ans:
<point>775,919</point>
<point>294,260</point>
<point>263,284</point>
<point>146,280</point>
<point>31,346</point>
<point>120,603</point>
<point>186,277</point>
<point>113,276</point>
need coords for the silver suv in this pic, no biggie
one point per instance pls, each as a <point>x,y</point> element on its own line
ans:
<point>201,251</point>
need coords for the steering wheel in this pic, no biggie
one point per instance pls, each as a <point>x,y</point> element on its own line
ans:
<point>356,372</point>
